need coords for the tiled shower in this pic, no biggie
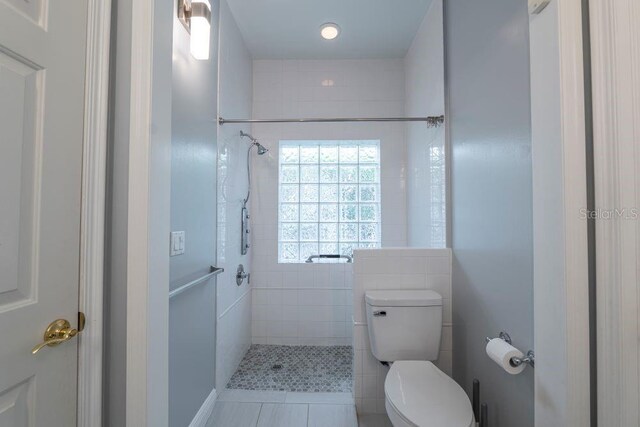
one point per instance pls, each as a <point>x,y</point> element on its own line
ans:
<point>311,303</point>
<point>302,318</point>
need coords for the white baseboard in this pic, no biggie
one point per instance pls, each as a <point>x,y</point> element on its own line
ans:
<point>205,411</point>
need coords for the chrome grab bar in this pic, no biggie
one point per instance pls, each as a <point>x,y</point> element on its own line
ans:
<point>212,272</point>
<point>330,256</point>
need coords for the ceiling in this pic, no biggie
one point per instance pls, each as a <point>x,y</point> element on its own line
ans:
<point>290,29</point>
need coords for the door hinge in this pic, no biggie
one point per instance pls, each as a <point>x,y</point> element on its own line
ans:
<point>81,321</point>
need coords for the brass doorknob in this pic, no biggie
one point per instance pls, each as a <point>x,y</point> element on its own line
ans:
<point>57,332</point>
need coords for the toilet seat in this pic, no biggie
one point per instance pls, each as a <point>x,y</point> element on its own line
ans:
<point>419,394</point>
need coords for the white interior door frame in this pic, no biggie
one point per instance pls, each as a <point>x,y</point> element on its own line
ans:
<point>149,192</point>
<point>90,345</point>
<point>138,271</point>
<point>615,42</point>
<point>561,258</point>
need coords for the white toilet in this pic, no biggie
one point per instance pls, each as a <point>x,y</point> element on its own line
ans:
<point>405,328</point>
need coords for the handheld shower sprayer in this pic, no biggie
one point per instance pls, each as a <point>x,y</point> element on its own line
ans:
<point>244,244</point>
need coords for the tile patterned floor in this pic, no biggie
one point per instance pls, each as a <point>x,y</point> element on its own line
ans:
<point>251,408</point>
<point>301,369</point>
<point>246,414</point>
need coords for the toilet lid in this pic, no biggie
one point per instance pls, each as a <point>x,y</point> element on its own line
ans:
<point>426,396</point>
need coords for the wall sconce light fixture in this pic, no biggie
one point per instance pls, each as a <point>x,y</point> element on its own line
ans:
<point>195,15</point>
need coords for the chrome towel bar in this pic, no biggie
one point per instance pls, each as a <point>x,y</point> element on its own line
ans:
<point>212,272</point>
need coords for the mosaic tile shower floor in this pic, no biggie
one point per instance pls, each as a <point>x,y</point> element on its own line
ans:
<point>295,368</point>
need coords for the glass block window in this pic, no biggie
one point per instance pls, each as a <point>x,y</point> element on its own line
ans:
<point>438,197</point>
<point>329,198</point>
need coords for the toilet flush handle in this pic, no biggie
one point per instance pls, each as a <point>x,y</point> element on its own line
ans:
<point>380,313</point>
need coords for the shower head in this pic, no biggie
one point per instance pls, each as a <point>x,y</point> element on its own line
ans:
<point>261,148</point>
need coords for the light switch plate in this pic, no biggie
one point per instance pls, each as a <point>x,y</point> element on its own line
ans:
<point>177,243</point>
<point>537,6</point>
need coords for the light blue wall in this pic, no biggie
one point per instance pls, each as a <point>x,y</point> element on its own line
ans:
<point>487,71</point>
<point>192,314</point>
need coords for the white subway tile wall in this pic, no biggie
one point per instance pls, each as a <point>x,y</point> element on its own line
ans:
<point>426,195</point>
<point>233,307</point>
<point>311,304</point>
<point>394,268</point>
<point>311,307</point>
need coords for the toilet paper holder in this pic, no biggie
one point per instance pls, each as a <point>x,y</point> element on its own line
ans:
<point>529,358</point>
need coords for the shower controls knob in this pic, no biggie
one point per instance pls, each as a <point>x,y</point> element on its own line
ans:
<point>241,275</point>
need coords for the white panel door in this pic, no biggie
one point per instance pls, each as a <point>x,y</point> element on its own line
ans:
<point>42,72</point>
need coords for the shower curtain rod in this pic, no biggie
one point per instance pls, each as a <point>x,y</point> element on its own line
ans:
<point>431,121</point>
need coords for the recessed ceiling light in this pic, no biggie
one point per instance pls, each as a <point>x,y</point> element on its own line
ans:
<point>329,31</point>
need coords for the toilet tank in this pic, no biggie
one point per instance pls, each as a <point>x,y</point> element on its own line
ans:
<point>404,325</point>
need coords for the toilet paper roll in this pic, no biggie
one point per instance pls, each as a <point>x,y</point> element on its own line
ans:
<point>501,352</point>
